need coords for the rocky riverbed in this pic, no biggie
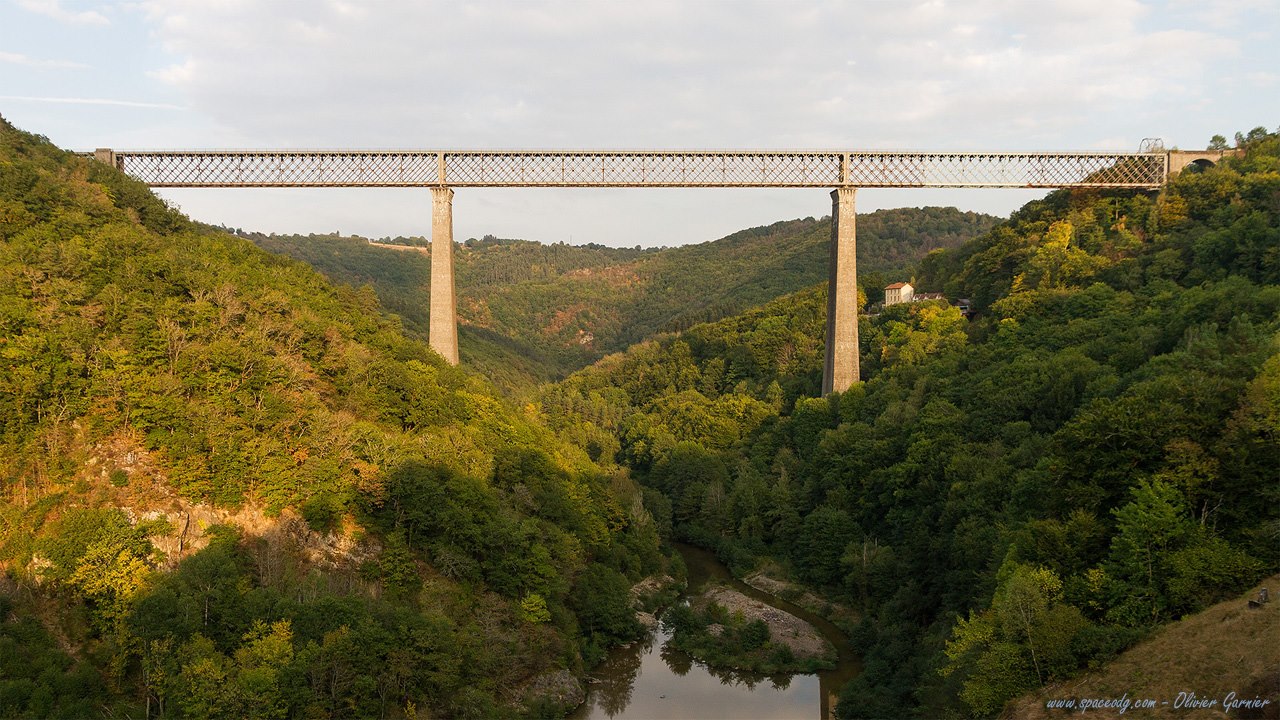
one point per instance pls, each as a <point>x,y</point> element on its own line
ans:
<point>784,628</point>
<point>805,598</point>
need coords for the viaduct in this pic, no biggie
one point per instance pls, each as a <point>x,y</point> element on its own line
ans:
<point>843,170</point>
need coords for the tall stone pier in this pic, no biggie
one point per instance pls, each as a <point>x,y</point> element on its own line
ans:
<point>443,330</point>
<point>841,370</point>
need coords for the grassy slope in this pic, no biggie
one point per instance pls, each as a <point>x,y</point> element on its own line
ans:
<point>1224,648</point>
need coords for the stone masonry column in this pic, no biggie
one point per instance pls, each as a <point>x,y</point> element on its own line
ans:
<point>106,156</point>
<point>841,370</point>
<point>443,330</point>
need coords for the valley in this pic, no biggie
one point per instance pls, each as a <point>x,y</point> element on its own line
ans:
<point>238,482</point>
<point>530,312</point>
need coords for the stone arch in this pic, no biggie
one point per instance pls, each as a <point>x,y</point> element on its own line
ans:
<point>1199,165</point>
<point>1196,160</point>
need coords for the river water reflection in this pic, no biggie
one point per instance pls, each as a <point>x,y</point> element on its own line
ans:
<point>651,681</point>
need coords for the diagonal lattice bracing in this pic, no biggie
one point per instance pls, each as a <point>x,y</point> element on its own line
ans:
<point>642,169</point>
<point>1037,170</point>
<point>280,169</point>
<point>614,168</point>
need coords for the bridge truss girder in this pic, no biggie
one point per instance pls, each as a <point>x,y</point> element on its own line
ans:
<point>619,168</point>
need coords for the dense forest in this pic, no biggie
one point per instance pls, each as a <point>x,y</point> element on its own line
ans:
<point>530,312</point>
<point>1009,499</point>
<point>232,489</point>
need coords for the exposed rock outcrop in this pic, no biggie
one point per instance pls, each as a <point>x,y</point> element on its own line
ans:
<point>559,688</point>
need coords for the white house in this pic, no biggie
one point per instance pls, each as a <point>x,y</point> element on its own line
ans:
<point>898,293</point>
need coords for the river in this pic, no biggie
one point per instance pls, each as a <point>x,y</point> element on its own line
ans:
<point>646,680</point>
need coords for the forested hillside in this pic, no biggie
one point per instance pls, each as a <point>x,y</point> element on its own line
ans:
<point>1007,500</point>
<point>233,489</point>
<point>529,311</point>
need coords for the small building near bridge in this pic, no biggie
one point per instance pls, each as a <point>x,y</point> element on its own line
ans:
<point>898,292</point>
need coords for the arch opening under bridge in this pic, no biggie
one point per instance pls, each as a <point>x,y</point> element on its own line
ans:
<point>1196,160</point>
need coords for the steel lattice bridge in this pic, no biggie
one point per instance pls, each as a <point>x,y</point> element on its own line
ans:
<point>639,168</point>
<point>843,170</point>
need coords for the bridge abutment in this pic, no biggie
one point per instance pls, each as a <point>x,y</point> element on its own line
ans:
<point>106,156</point>
<point>1179,160</point>
<point>443,330</point>
<point>841,368</point>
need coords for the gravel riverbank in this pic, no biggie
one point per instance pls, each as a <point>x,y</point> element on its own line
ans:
<point>784,628</point>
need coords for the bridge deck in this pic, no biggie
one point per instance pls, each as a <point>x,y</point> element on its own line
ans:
<point>639,168</point>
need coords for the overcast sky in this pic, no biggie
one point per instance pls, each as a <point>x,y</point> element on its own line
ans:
<point>982,75</point>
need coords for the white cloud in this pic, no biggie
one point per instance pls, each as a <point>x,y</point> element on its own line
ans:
<point>20,59</point>
<point>672,74</point>
<point>308,32</point>
<point>54,9</point>
<point>178,75</point>
<point>1262,79</point>
<point>91,101</point>
<point>1227,14</point>
<point>348,9</point>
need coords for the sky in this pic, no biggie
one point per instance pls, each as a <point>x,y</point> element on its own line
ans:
<point>562,74</point>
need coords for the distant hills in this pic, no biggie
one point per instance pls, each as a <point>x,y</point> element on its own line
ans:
<point>546,310</point>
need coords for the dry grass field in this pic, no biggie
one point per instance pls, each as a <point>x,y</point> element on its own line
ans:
<point>1228,648</point>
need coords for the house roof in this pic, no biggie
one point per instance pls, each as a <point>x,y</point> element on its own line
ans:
<point>895,286</point>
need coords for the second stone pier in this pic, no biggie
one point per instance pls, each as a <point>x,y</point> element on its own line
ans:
<point>841,369</point>
<point>443,330</point>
